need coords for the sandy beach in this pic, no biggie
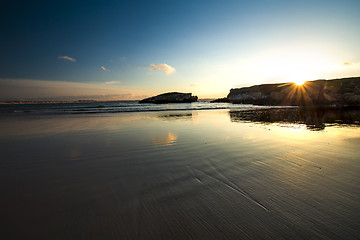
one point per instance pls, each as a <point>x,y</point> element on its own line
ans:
<point>177,175</point>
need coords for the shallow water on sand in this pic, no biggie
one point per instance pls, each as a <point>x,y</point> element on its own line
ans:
<point>178,175</point>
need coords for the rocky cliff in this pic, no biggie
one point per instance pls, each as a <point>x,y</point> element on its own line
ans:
<point>172,97</point>
<point>338,92</point>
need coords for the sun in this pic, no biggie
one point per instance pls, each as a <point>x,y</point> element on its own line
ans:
<point>300,78</point>
<point>299,82</point>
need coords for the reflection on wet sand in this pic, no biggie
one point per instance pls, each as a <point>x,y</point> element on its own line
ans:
<point>138,176</point>
<point>170,139</point>
<point>177,116</point>
<point>314,118</point>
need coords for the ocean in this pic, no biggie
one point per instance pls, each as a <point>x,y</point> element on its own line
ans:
<point>112,107</point>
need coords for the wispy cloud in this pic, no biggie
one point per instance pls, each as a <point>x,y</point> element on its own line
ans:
<point>67,58</point>
<point>193,85</point>
<point>163,67</point>
<point>112,82</point>
<point>105,69</point>
<point>347,64</point>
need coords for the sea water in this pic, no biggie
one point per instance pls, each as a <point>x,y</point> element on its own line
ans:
<point>112,107</point>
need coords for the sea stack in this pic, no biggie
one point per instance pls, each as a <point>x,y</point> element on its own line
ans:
<point>171,97</point>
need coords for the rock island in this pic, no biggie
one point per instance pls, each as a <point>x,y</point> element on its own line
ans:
<point>171,97</point>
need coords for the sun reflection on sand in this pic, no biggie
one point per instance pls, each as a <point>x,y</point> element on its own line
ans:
<point>170,139</point>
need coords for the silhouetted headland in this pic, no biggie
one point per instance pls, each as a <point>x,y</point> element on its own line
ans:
<point>171,97</point>
<point>335,92</point>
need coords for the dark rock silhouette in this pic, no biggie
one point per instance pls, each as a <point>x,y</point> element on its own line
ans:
<point>335,92</point>
<point>171,97</point>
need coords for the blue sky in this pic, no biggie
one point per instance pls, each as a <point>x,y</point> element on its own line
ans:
<point>133,49</point>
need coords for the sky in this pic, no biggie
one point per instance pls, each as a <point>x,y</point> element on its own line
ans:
<point>127,50</point>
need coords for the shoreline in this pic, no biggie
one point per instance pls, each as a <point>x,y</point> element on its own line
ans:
<point>314,119</point>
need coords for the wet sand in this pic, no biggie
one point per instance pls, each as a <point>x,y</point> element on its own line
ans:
<point>177,175</point>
